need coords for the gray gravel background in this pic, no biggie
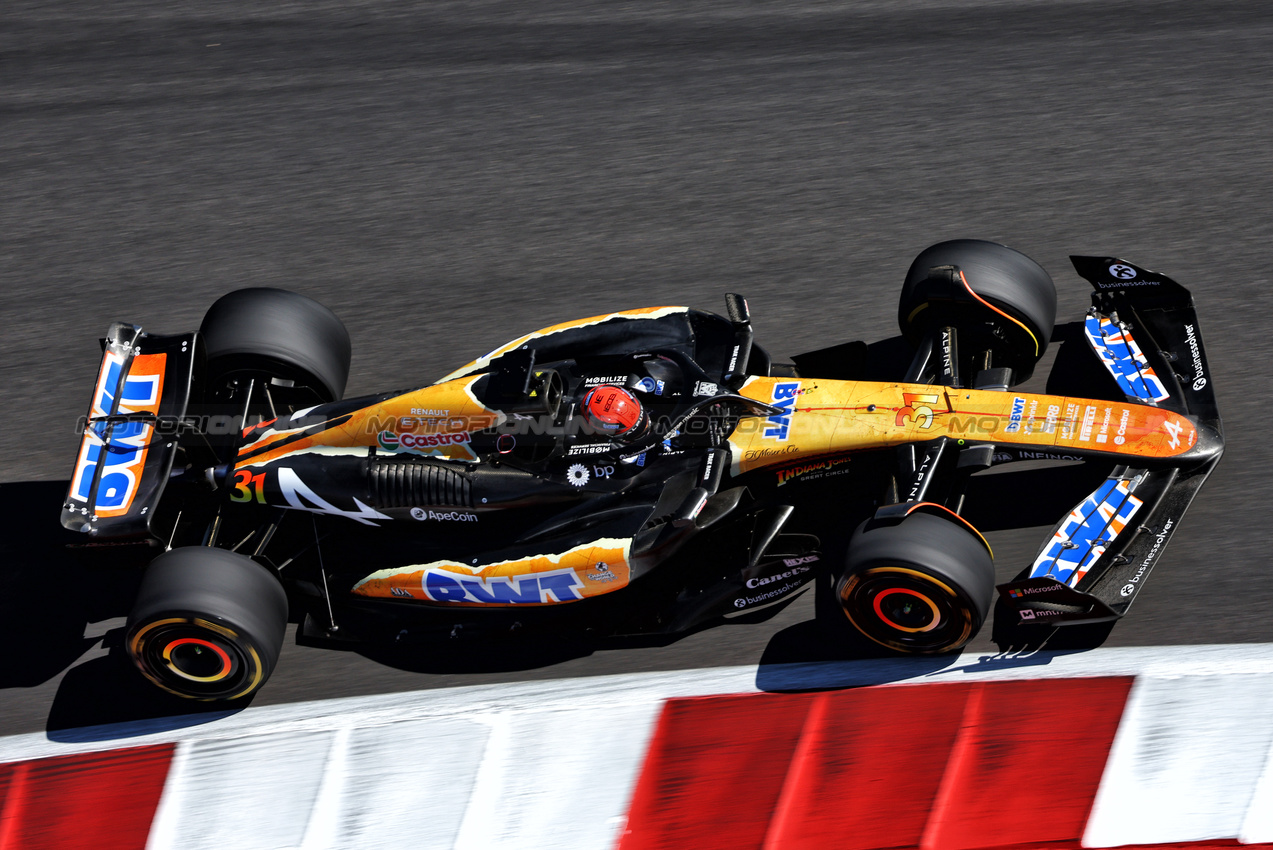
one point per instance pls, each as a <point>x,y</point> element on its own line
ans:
<point>448,175</point>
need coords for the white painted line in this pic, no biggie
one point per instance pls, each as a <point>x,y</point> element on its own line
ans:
<point>163,828</point>
<point>1185,762</point>
<point>324,821</point>
<point>1258,826</point>
<point>407,785</point>
<point>558,779</point>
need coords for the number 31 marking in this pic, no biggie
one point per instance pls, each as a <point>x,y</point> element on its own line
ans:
<point>923,414</point>
<point>242,492</point>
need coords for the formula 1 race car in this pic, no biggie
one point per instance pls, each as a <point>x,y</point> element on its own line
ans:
<point>638,473</point>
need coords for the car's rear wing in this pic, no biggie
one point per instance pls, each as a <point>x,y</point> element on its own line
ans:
<point>1144,329</point>
<point>129,437</point>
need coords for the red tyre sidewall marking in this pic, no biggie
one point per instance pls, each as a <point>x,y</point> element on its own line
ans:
<point>932,606</point>
<point>226,663</point>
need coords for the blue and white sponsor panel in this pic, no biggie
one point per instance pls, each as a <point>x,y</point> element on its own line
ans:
<point>1123,358</point>
<point>1087,532</point>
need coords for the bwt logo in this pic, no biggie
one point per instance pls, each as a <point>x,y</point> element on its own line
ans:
<point>779,424</point>
<point>1014,420</point>
<point>533,589</point>
<point>122,455</point>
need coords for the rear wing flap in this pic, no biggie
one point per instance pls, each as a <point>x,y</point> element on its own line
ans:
<point>129,436</point>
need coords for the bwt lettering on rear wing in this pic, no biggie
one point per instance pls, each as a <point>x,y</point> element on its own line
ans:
<point>123,461</point>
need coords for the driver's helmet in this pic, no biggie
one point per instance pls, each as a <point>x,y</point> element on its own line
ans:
<point>614,411</point>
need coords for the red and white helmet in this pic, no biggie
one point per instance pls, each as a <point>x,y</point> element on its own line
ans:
<point>614,411</point>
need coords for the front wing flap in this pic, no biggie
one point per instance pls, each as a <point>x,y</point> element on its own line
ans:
<point>1144,328</point>
<point>1099,556</point>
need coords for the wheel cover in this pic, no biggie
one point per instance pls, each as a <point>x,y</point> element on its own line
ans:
<point>195,658</point>
<point>906,610</point>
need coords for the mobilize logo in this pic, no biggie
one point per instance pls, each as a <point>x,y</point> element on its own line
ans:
<point>588,449</point>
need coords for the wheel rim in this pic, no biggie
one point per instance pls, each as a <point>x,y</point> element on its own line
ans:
<point>198,660</point>
<point>195,658</point>
<point>906,610</point>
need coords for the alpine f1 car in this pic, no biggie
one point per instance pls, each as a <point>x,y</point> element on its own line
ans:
<point>636,473</point>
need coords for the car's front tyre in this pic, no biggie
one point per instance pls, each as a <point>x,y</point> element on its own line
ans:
<point>924,585</point>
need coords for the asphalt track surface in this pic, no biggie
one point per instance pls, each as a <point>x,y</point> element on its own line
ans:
<point>447,176</point>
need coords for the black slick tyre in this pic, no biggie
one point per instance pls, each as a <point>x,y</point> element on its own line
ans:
<point>921,586</point>
<point>207,624</point>
<point>277,334</point>
<point>1003,296</point>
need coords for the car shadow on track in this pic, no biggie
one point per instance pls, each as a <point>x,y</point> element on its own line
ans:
<point>827,653</point>
<point>50,597</point>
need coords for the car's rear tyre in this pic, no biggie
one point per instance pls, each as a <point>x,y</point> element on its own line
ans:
<point>207,624</point>
<point>280,335</point>
<point>1010,311</point>
<point>921,586</point>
